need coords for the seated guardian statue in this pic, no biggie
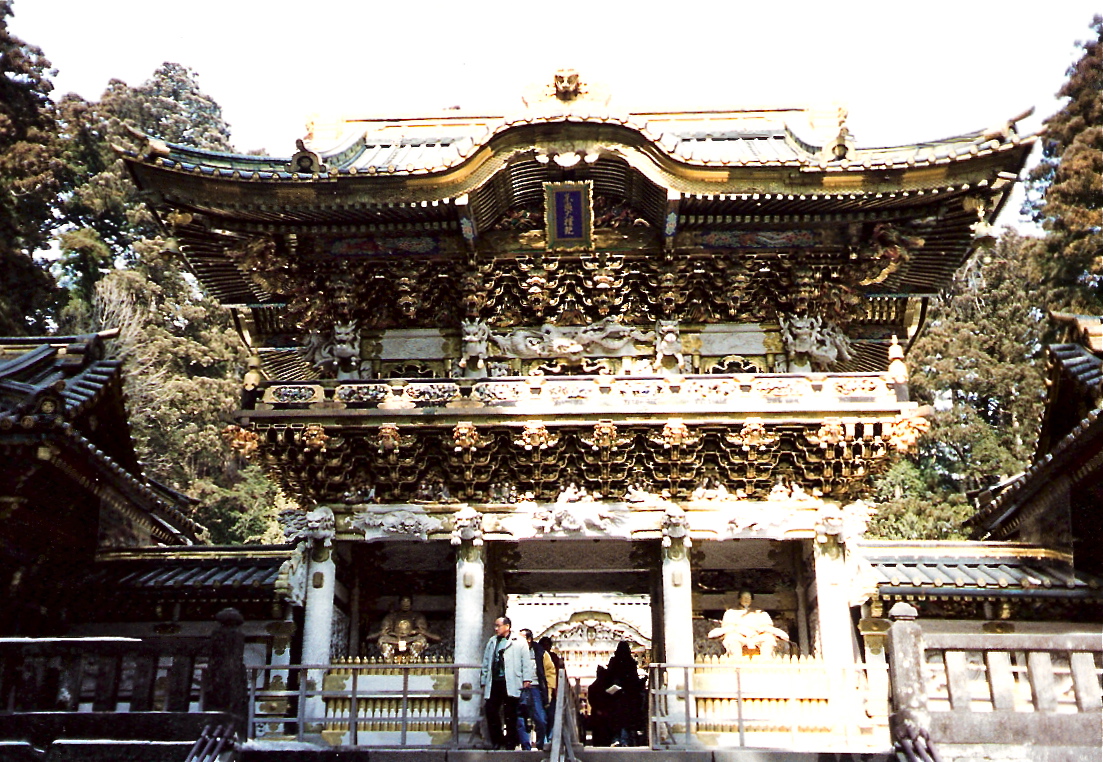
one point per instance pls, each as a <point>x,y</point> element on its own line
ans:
<point>403,632</point>
<point>747,631</point>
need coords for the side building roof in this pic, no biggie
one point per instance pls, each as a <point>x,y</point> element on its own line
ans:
<point>64,432</point>
<point>1058,498</point>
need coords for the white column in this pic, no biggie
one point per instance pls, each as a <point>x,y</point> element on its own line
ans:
<point>677,605</point>
<point>470,602</point>
<point>318,616</point>
<point>836,640</point>
<point>678,630</point>
<point>318,628</point>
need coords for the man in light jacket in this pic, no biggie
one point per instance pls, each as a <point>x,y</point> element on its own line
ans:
<point>508,667</point>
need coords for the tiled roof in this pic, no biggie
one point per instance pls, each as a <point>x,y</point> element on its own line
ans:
<point>48,384</point>
<point>1075,386</point>
<point>400,155</point>
<point>1080,365</point>
<point>957,569</point>
<point>212,572</point>
<point>69,368</point>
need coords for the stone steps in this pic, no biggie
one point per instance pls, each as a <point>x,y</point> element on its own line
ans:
<point>589,754</point>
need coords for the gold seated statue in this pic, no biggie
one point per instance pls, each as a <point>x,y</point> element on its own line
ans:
<point>403,633</point>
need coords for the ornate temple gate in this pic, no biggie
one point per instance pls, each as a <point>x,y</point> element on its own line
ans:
<point>793,558</point>
<point>678,338</point>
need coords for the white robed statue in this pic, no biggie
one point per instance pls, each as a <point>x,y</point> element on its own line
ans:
<point>747,631</point>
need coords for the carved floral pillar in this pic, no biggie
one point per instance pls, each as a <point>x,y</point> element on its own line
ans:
<point>319,531</point>
<point>835,642</point>
<point>320,588</point>
<point>678,611</point>
<point>467,536</point>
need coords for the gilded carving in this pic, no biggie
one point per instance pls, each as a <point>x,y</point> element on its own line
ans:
<point>605,437</point>
<point>830,433</point>
<point>605,279</point>
<point>536,436</point>
<point>466,437</point>
<point>675,433</point>
<point>314,437</point>
<point>241,440</point>
<point>906,430</point>
<point>753,435</point>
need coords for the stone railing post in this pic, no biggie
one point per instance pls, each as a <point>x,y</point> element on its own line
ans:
<point>910,721</point>
<point>227,690</point>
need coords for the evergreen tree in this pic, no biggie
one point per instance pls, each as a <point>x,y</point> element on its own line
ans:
<point>190,356</point>
<point>31,176</point>
<point>979,365</point>
<point>183,359</point>
<point>1065,190</point>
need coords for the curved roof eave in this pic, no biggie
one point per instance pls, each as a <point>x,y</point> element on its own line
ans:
<point>189,175</point>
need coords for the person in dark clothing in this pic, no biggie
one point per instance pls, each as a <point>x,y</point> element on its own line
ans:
<point>557,665</point>
<point>625,690</point>
<point>597,696</point>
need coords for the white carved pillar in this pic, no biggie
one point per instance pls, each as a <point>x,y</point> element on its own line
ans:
<point>678,613</point>
<point>833,603</point>
<point>318,615</point>
<point>467,536</point>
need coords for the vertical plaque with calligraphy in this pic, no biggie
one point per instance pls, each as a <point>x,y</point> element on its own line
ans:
<point>569,214</point>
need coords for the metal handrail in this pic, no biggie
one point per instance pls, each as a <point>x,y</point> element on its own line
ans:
<point>357,693</point>
<point>565,733</point>
<point>840,683</point>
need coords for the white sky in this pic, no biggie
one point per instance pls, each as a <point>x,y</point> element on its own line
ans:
<point>906,71</point>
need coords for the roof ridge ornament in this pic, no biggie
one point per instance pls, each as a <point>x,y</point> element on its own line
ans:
<point>568,85</point>
<point>305,161</point>
<point>567,93</point>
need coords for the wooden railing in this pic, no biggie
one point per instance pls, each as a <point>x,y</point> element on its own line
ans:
<point>103,674</point>
<point>994,688</point>
<point>69,687</point>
